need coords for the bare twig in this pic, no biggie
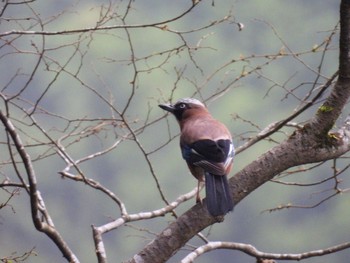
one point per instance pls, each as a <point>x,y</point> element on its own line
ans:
<point>99,231</point>
<point>97,28</point>
<point>252,251</point>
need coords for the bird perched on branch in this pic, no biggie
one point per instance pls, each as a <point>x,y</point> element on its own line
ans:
<point>206,145</point>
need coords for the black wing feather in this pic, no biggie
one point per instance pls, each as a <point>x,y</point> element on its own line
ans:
<point>208,154</point>
<point>215,151</point>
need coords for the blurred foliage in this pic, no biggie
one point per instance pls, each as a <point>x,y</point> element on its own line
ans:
<point>77,67</point>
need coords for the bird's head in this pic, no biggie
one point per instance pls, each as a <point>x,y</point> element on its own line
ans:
<point>184,108</point>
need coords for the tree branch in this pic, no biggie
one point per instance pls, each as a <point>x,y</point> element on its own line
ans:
<point>99,28</point>
<point>99,231</point>
<point>252,251</point>
<point>38,209</point>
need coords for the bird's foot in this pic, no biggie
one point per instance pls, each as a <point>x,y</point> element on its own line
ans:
<point>199,200</point>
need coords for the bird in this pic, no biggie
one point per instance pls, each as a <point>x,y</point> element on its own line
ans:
<point>207,147</point>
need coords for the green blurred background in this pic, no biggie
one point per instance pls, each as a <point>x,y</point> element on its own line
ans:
<point>103,65</point>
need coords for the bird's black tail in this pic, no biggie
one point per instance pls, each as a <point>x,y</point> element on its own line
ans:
<point>218,197</point>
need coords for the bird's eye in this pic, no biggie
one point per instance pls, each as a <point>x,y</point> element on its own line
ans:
<point>182,106</point>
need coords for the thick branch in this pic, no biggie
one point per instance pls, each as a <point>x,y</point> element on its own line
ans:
<point>329,112</point>
<point>344,41</point>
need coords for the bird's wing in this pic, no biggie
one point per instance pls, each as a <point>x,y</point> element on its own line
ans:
<point>213,156</point>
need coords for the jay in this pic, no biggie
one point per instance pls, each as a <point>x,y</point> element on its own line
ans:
<point>206,145</point>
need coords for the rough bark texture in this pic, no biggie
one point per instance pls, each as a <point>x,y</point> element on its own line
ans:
<point>344,41</point>
<point>307,145</point>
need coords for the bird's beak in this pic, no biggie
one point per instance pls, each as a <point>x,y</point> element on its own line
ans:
<point>167,107</point>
